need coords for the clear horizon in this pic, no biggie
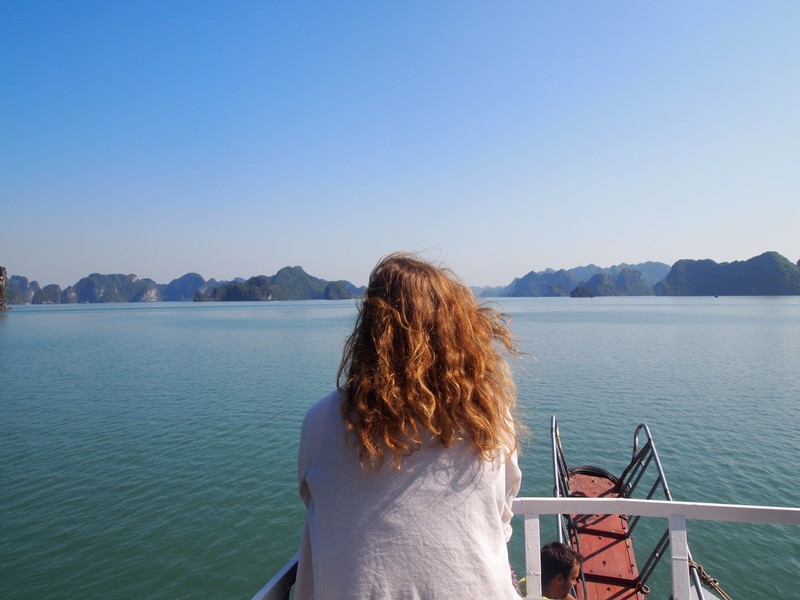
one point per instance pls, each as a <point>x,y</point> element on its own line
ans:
<point>233,139</point>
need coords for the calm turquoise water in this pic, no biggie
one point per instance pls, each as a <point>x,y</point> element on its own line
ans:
<point>148,451</point>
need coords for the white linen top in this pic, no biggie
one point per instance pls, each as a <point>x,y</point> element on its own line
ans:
<point>436,529</point>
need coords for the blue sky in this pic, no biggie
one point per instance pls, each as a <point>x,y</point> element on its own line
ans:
<point>235,138</point>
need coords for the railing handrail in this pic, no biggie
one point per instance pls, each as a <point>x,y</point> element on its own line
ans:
<point>280,585</point>
<point>677,513</point>
<point>532,507</point>
<point>659,508</point>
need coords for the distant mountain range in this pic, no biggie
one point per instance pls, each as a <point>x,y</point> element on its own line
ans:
<point>290,283</point>
<point>769,274</point>
<point>619,280</point>
<point>764,275</point>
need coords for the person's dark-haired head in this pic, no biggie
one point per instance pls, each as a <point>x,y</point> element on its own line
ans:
<point>561,567</point>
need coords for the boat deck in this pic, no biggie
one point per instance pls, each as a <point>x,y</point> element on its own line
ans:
<point>609,564</point>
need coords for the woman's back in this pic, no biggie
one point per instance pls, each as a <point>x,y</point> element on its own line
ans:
<point>437,528</point>
<point>408,471</point>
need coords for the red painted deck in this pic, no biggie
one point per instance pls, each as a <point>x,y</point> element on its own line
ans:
<point>609,564</point>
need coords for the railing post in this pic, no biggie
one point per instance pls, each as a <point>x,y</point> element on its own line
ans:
<point>679,546</point>
<point>533,560</point>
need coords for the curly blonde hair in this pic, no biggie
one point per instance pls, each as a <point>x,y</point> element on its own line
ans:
<point>424,356</point>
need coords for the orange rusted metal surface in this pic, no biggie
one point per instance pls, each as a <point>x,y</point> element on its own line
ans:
<point>609,564</point>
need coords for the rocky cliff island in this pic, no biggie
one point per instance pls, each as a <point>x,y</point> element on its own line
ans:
<point>3,280</point>
<point>765,275</point>
<point>290,283</point>
<point>768,274</point>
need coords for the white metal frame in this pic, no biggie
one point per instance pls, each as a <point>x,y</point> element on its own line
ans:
<point>677,513</point>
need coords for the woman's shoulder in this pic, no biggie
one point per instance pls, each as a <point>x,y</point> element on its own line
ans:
<point>324,412</point>
<point>323,426</point>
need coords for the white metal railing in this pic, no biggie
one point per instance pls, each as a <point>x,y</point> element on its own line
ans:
<point>279,587</point>
<point>677,513</point>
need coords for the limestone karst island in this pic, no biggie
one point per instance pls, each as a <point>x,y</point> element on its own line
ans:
<point>769,274</point>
